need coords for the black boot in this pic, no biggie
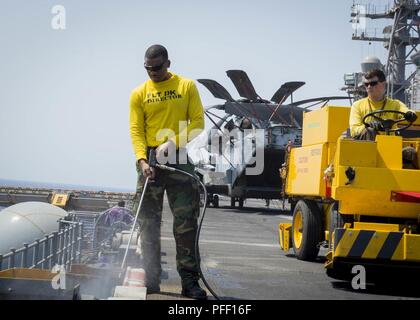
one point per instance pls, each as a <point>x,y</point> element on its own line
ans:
<point>153,288</point>
<point>193,290</point>
<point>152,285</point>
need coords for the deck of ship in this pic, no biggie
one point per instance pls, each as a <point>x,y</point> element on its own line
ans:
<point>241,259</point>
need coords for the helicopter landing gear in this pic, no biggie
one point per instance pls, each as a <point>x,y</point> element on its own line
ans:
<point>240,202</point>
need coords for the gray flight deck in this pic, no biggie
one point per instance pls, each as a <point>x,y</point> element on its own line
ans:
<point>242,260</point>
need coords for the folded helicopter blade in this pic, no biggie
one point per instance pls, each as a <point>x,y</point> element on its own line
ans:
<point>243,84</point>
<point>216,89</point>
<point>286,90</point>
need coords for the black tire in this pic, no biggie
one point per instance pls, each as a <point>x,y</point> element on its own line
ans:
<point>241,203</point>
<point>292,206</point>
<point>216,201</point>
<point>311,230</point>
<point>232,202</point>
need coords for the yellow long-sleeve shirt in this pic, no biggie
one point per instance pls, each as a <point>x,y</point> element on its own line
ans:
<point>159,111</point>
<point>364,106</point>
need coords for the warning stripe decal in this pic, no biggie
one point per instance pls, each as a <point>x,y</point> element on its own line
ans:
<point>360,244</point>
<point>366,243</point>
<point>391,243</point>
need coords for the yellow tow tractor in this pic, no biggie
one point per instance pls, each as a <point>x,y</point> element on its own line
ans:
<point>357,198</point>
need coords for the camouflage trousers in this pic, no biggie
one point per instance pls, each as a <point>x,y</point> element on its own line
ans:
<point>184,201</point>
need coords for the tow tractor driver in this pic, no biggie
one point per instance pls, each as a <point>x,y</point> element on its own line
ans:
<point>366,128</point>
<point>376,113</point>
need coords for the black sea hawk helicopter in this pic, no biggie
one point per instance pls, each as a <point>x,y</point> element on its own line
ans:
<point>246,146</point>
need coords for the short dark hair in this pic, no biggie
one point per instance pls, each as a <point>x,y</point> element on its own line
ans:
<point>375,73</point>
<point>156,51</point>
<point>121,203</point>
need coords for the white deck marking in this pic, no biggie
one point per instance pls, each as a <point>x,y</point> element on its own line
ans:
<point>233,243</point>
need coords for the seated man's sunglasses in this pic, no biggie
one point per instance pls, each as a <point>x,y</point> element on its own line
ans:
<point>154,68</point>
<point>371,83</point>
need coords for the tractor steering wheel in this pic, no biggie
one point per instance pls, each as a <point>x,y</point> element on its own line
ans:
<point>387,124</point>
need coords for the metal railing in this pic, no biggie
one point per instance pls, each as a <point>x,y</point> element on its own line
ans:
<point>62,248</point>
<point>89,220</point>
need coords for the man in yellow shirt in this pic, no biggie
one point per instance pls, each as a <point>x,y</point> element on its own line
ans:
<point>375,83</point>
<point>165,113</point>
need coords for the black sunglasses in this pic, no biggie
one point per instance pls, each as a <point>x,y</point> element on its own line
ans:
<point>372,83</point>
<point>154,68</point>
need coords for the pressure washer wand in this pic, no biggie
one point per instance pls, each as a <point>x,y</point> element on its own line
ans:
<point>134,223</point>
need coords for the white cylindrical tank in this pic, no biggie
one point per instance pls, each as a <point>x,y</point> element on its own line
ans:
<point>27,221</point>
<point>370,63</point>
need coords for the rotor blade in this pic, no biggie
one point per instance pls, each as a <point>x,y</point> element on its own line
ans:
<point>216,106</point>
<point>286,90</point>
<point>221,119</point>
<point>217,90</point>
<point>320,99</point>
<point>287,115</point>
<point>264,112</point>
<point>218,124</point>
<point>243,84</point>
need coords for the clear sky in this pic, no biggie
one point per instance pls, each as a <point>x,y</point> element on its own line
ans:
<point>64,93</point>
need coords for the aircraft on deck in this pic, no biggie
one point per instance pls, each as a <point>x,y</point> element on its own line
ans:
<point>239,127</point>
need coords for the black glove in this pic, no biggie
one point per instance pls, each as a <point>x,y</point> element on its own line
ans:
<point>410,116</point>
<point>376,125</point>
